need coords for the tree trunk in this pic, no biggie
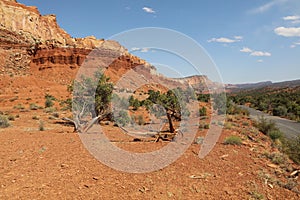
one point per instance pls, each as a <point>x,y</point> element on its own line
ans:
<point>172,129</point>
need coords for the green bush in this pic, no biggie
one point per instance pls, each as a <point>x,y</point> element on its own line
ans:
<point>228,125</point>
<point>4,122</point>
<point>19,107</point>
<point>141,120</point>
<point>292,149</point>
<point>203,126</point>
<point>33,106</point>
<point>203,111</point>
<point>275,134</point>
<point>233,140</point>
<point>49,100</point>
<point>122,118</point>
<point>278,158</point>
<point>265,126</point>
<point>11,118</point>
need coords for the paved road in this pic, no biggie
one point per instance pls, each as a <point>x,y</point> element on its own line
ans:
<point>291,129</point>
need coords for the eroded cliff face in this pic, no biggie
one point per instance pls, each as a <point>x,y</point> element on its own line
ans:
<point>32,44</point>
<point>30,41</point>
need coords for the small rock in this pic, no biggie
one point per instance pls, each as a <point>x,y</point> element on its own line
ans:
<point>64,166</point>
<point>272,166</point>
<point>295,173</point>
<point>271,186</point>
<point>224,156</point>
<point>95,178</point>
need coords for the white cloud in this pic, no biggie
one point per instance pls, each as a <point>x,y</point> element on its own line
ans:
<point>295,44</point>
<point>246,50</point>
<point>135,49</point>
<point>254,53</point>
<point>148,10</point>
<point>296,22</point>
<point>294,19</point>
<point>260,60</point>
<point>144,50</point>
<point>238,38</point>
<point>226,40</point>
<point>291,18</point>
<point>267,6</point>
<point>288,32</point>
<point>260,53</point>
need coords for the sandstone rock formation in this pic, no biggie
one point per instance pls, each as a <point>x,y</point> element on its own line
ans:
<point>34,44</point>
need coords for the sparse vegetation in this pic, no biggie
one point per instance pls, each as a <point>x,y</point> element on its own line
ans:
<point>14,99</point>
<point>141,120</point>
<point>203,111</point>
<point>4,121</point>
<point>50,110</point>
<point>11,118</point>
<point>35,117</point>
<point>292,149</point>
<point>33,106</point>
<point>41,126</point>
<point>228,125</point>
<point>233,140</point>
<point>265,126</point>
<point>203,126</point>
<point>55,114</point>
<point>122,118</point>
<point>49,100</point>
<point>284,102</point>
<point>256,195</point>
<point>19,106</point>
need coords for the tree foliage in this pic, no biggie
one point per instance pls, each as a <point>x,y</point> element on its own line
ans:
<point>283,102</point>
<point>92,95</point>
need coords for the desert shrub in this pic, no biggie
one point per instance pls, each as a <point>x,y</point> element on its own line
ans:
<point>135,103</point>
<point>203,126</point>
<point>122,118</point>
<point>277,158</point>
<point>66,104</point>
<point>41,126</point>
<point>233,140</point>
<point>275,134</point>
<point>11,118</point>
<point>33,106</point>
<point>203,111</point>
<point>203,97</point>
<point>265,126</point>
<point>280,111</point>
<point>19,107</point>
<point>141,120</point>
<point>55,114</point>
<point>245,123</point>
<point>35,117</point>
<point>4,121</point>
<point>14,98</point>
<point>292,149</point>
<point>228,125</point>
<point>48,103</point>
<point>256,195</point>
<point>49,110</point>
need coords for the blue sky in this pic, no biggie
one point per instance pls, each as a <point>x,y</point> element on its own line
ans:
<point>249,40</point>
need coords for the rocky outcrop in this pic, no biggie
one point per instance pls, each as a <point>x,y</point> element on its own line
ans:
<point>30,40</point>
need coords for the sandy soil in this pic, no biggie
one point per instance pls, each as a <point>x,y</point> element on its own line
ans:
<point>54,164</point>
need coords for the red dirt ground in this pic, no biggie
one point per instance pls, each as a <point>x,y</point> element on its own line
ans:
<point>54,164</point>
